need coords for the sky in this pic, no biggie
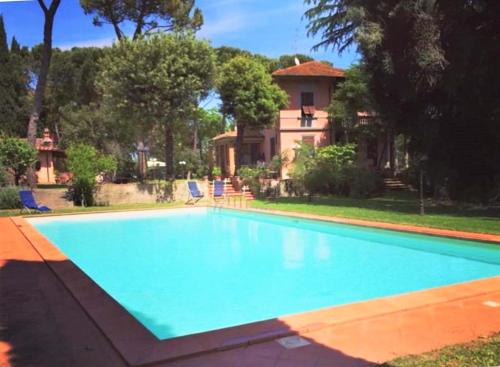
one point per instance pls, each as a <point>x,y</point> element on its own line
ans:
<point>269,27</point>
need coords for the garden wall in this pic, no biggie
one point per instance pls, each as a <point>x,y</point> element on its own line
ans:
<point>141,193</point>
<point>53,198</point>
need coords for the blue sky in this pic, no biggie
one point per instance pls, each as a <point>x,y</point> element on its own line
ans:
<point>269,27</point>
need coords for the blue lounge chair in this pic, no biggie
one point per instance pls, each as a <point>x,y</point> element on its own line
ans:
<point>194,194</point>
<point>218,191</point>
<point>29,202</point>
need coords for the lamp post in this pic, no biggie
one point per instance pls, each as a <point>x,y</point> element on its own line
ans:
<point>422,203</point>
<point>142,152</point>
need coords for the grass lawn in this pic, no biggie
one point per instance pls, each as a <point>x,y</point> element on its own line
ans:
<point>400,208</point>
<point>119,207</point>
<point>480,353</point>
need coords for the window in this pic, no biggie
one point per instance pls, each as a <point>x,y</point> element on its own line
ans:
<point>307,99</point>
<point>273,147</point>
<point>307,105</point>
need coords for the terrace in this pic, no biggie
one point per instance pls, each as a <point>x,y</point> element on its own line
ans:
<point>336,336</point>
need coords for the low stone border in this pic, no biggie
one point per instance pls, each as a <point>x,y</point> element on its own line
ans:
<point>139,347</point>
<point>484,237</point>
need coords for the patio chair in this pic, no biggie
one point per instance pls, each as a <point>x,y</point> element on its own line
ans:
<point>30,204</point>
<point>194,194</point>
<point>219,191</point>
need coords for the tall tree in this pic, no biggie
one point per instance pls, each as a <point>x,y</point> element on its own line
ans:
<point>6,87</point>
<point>433,77</point>
<point>20,61</point>
<point>350,97</point>
<point>249,95</point>
<point>49,15</point>
<point>157,82</point>
<point>146,15</point>
<point>13,86</point>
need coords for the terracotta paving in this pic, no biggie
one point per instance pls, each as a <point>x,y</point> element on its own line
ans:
<point>52,315</point>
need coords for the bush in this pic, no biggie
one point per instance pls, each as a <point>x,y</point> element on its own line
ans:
<point>332,170</point>
<point>81,192</point>
<point>216,171</point>
<point>363,182</point>
<point>86,163</point>
<point>9,198</point>
<point>165,190</point>
<point>17,155</point>
<point>3,179</point>
<point>250,177</point>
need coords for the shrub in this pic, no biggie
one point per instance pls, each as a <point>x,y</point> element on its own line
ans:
<point>9,198</point>
<point>3,179</point>
<point>332,170</point>
<point>250,176</point>
<point>363,182</point>
<point>86,163</point>
<point>216,171</point>
<point>165,190</point>
<point>17,155</point>
<point>277,162</point>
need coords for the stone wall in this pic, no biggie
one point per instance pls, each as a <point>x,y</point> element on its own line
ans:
<point>112,194</point>
<point>141,193</point>
<point>53,198</point>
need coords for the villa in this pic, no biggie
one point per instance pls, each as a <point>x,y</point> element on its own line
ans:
<point>310,87</point>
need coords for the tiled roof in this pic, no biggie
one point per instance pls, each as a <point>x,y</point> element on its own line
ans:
<point>229,134</point>
<point>310,68</point>
<point>232,135</point>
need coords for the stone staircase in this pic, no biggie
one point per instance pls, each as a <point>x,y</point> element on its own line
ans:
<point>394,184</point>
<point>231,191</point>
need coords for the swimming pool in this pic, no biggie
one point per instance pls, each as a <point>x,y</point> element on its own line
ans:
<point>185,271</point>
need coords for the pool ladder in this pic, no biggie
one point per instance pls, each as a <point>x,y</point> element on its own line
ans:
<point>233,201</point>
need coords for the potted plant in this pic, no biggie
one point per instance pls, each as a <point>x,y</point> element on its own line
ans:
<point>217,172</point>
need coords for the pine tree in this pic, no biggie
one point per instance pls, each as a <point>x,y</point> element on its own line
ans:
<point>20,79</point>
<point>7,93</point>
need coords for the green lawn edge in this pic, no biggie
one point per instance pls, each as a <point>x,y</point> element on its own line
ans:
<point>393,209</point>
<point>484,352</point>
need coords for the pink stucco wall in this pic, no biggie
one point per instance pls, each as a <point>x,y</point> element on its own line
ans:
<point>288,131</point>
<point>321,87</point>
<point>46,174</point>
<point>289,125</point>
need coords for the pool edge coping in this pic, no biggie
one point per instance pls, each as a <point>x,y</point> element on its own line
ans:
<point>139,347</point>
<point>439,232</point>
<point>398,227</point>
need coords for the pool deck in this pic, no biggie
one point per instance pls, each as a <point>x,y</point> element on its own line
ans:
<point>51,314</point>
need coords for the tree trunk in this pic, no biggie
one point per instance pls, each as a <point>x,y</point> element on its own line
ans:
<point>223,123</point>
<point>49,14</point>
<point>238,148</point>
<point>392,152</point>
<point>195,136</point>
<point>169,152</point>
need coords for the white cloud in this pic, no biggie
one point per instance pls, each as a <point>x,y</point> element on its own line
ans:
<point>98,42</point>
<point>228,23</point>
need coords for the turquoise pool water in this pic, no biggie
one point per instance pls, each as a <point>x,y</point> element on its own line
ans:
<point>185,271</point>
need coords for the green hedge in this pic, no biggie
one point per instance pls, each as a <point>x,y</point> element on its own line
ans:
<point>9,198</point>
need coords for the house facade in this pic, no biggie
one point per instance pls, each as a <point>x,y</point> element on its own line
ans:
<point>310,87</point>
